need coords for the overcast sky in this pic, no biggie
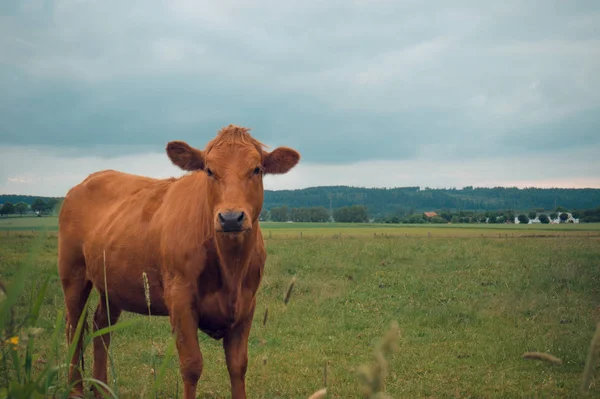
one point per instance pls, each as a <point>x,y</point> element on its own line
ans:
<point>371,93</point>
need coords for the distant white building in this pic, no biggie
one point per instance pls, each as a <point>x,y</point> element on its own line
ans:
<point>570,219</point>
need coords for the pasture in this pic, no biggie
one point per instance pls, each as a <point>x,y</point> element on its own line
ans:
<point>299,230</point>
<point>469,301</point>
<point>28,223</point>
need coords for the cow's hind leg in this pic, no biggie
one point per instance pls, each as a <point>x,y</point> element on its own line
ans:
<point>76,289</point>
<point>102,317</point>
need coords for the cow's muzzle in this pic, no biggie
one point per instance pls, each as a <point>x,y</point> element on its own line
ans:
<point>231,222</point>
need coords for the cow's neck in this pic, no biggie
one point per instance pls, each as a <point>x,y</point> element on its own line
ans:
<point>234,258</point>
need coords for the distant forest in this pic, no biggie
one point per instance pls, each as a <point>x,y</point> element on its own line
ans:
<point>382,202</point>
<point>409,200</point>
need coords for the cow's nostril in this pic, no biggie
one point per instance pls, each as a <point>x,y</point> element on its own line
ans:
<point>231,221</point>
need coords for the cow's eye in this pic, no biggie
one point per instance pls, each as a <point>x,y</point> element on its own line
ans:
<point>209,172</point>
<point>257,170</point>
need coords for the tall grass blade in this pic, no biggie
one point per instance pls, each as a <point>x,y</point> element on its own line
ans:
<point>28,358</point>
<point>36,305</point>
<point>15,289</point>
<point>109,351</point>
<point>104,392</point>
<point>16,362</point>
<point>115,327</point>
<point>163,366</point>
<point>49,373</point>
<point>76,337</point>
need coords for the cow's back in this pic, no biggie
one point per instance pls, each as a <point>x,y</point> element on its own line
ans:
<point>96,198</point>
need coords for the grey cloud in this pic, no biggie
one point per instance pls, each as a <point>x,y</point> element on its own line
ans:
<point>340,81</point>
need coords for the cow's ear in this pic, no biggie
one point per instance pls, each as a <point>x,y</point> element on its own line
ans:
<point>280,160</point>
<point>184,156</point>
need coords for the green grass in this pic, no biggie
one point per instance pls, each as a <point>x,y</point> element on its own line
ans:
<point>336,230</point>
<point>25,223</point>
<point>379,226</point>
<point>467,307</point>
<point>294,230</point>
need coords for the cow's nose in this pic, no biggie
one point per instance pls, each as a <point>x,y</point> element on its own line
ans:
<point>231,221</point>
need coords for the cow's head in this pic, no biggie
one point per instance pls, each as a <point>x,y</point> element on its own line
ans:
<point>234,164</point>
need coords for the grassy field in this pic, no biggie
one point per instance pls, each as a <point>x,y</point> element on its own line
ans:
<point>25,223</point>
<point>468,307</point>
<point>298,230</point>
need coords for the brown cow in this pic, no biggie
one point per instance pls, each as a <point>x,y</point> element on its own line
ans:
<point>197,238</point>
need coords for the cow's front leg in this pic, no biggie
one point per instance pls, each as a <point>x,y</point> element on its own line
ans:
<point>235,343</point>
<point>185,327</point>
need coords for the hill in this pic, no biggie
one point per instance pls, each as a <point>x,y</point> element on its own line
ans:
<point>388,201</point>
<point>385,201</point>
<point>28,199</point>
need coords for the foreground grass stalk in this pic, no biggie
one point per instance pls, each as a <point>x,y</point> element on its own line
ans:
<point>319,394</point>
<point>288,293</point>
<point>372,377</point>
<point>147,292</point>
<point>592,360</point>
<point>148,304</point>
<point>542,356</point>
<point>109,351</point>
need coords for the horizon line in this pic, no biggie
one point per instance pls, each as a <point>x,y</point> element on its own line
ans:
<point>420,188</point>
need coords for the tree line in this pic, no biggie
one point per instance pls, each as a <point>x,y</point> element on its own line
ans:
<point>560,214</point>
<point>285,214</point>
<point>38,206</point>
<point>382,202</point>
<point>346,214</point>
<point>360,214</point>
